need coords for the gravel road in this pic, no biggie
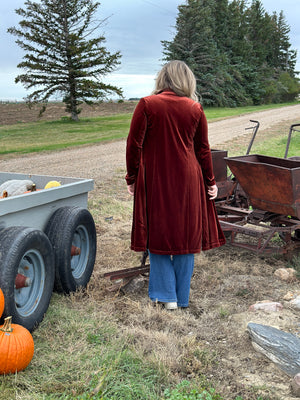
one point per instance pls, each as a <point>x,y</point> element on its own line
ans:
<point>100,161</point>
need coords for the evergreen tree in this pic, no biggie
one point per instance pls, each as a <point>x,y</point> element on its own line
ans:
<point>286,58</point>
<point>195,43</point>
<point>64,55</point>
<point>221,24</point>
<point>239,53</point>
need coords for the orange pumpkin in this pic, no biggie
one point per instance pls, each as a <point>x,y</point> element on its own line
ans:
<point>16,347</point>
<point>1,303</point>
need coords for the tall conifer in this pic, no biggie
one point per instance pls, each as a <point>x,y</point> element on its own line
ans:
<point>64,53</point>
<point>239,53</point>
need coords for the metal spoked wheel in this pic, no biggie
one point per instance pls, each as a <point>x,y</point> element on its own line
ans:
<point>32,268</point>
<point>79,260</point>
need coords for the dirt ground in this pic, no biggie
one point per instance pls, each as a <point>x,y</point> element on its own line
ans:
<point>210,337</point>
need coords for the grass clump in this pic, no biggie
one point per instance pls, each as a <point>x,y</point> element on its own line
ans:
<point>295,263</point>
<point>122,375</point>
<point>186,391</point>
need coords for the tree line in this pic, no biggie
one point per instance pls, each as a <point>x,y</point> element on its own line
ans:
<point>239,53</point>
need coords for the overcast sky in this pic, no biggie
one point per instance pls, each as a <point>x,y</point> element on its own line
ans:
<point>135,28</point>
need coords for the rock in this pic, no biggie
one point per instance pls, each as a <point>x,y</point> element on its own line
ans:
<point>290,295</point>
<point>286,274</point>
<point>280,347</point>
<point>295,385</point>
<point>296,302</point>
<point>266,306</point>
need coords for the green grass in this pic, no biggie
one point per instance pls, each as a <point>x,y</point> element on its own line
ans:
<point>85,358</point>
<point>276,147</point>
<point>213,113</point>
<point>54,135</point>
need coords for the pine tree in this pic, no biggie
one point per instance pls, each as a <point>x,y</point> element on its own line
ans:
<point>238,52</point>
<point>196,43</point>
<point>287,57</point>
<point>64,54</point>
<point>221,24</point>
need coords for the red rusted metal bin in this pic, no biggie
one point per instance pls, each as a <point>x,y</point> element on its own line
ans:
<point>272,183</point>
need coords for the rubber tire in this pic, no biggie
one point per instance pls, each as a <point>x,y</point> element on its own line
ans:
<point>67,226</point>
<point>28,251</point>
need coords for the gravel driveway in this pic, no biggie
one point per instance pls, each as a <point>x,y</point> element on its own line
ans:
<point>102,160</point>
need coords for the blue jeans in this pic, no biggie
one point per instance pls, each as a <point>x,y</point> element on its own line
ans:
<point>170,278</point>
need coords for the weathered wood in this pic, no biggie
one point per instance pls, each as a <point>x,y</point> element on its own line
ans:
<point>280,347</point>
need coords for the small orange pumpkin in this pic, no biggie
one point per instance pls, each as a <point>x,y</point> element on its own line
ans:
<point>16,347</point>
<point>1,303</point>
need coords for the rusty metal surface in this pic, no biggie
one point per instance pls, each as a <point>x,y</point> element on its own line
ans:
<point>272,183</point>
<point>127,273</point>
<point>219,164</point>
<point>256,229</point>
<point>262,236</point>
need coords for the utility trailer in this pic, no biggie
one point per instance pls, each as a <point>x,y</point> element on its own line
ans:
<point>47,241</point>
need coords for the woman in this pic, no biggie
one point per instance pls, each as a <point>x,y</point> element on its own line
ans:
<point>170,174</point>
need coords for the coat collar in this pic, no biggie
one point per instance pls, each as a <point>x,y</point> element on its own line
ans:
<point>168,92</point>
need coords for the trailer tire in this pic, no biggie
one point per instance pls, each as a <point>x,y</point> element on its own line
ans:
<point>67,227</point>
<point>26,251</point>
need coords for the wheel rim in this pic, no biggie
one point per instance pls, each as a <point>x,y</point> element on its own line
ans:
<point>28,298</point>
<point>79,262</point>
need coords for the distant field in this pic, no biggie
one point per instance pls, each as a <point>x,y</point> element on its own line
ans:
<point>13,113</point>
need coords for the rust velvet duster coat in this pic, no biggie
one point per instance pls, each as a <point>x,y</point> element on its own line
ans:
<point>169,159</point>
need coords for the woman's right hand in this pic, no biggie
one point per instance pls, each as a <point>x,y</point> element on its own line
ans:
<point>212,192</point>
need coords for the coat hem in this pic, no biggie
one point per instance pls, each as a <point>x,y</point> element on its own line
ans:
<point>175,252</point>
<point>214,245</point>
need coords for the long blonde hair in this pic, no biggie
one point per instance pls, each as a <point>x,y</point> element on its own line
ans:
<point>178,77</point>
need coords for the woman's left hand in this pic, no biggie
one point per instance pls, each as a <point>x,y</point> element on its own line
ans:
<point>212,192</point>
<point>130,189</point>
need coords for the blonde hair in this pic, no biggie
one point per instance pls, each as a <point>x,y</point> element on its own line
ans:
<point>178,77</point>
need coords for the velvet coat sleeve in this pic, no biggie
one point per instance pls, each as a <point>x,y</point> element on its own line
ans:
<point>203,152</point>
<point>135,142</point>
